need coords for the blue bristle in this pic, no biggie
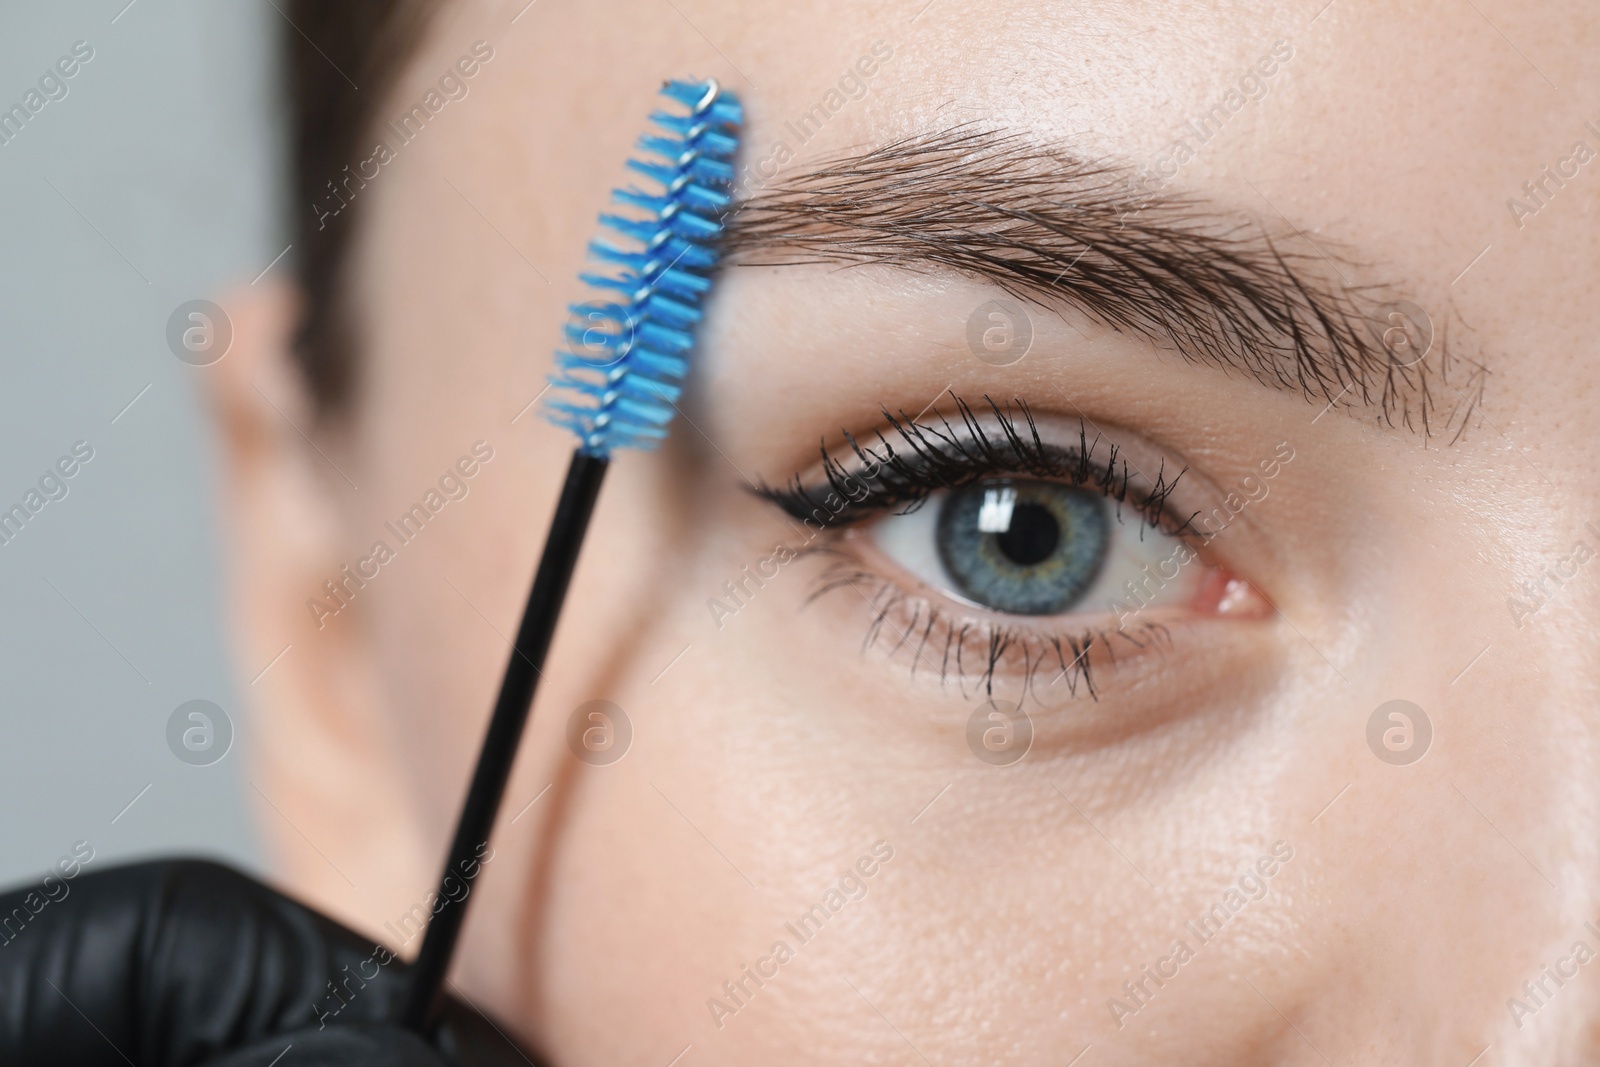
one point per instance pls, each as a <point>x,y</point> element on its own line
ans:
<point>623,373</point>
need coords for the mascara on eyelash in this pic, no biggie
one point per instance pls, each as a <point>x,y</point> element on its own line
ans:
<point>944,457</point>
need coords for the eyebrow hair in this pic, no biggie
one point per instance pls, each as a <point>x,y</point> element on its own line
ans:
<point>1176,269</point>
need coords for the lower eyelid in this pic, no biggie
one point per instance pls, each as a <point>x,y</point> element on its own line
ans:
<point>937,637</point>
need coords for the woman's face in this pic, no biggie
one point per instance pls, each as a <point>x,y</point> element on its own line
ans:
<point>1089,754</point>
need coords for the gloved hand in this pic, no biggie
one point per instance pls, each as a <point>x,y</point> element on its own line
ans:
<point>179,963</point>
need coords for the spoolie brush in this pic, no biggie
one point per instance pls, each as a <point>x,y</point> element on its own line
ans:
<point>620,379</point>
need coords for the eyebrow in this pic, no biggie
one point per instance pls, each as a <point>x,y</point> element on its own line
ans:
<point>1175,269</point>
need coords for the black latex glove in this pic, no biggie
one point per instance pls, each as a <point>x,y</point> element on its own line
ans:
<point>182,962</point>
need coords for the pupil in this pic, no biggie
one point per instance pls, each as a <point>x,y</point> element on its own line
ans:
<point>1033,536</point>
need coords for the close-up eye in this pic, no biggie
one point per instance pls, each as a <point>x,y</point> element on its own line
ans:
<point>1013,540</point>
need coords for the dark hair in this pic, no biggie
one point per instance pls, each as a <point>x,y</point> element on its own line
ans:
<point>342,58</point>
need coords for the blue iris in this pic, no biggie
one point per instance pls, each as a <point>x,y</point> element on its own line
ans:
<point>1023,547</point>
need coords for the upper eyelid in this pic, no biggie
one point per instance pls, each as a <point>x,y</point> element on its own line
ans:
<point>946,458</point>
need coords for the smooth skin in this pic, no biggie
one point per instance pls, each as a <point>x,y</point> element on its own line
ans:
<point>770,753</point>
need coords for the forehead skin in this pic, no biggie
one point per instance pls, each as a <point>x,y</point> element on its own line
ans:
<point>771,756</point>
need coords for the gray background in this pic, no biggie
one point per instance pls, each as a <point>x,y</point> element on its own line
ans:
<point>165,173</point>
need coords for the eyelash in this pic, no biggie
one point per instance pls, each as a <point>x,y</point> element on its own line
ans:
<point>940,457</point>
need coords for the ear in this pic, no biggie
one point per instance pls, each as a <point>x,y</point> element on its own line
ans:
<point>320,764</point>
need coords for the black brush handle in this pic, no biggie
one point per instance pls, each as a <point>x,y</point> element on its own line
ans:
<point>499,751</point>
